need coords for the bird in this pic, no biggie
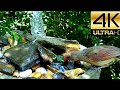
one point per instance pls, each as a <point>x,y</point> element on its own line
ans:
<point>98,56</point>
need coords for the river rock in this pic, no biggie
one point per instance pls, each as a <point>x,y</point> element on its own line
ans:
<point>58,76</point>
<point>6,68</point>
<point>5,48</point>
<point>5,76</point>
<point>36,74</point>
<point>16,73</point>
<point>50,73</point>
<point>22,56</point>
<point>58,66</point>
<point>45,76</point>
<point>26,73</point>
<point>74,73</point>
<point>47,55</point>
<point>3,60</point>
<point>35,67</point>
<point>70,65</point>
<point>42,70</point>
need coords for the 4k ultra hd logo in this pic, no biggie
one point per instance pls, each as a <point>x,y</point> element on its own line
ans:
<point>105,22</point>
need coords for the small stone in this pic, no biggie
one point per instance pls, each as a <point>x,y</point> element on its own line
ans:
<point>3,60</point>
<point>50,73</point>
<point>16,73</point>
<point>62,69</point>
<point>58,66</point>
<point>45,76</point>
<point>35,67</point>
<point>70,64</point>
<point>41,69</point>
<point>74,73</point>
<point>6,68</point>
<point>35,74</point>
<point>6,48</point>
<point>26,73</point>
<point>58,76</point>
<point>5,76</point>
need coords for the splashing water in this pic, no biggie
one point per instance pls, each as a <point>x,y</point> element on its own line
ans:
<point>37,26</point>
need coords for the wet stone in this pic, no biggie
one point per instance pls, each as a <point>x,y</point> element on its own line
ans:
<point>6,68</point>
<point>16,73</point>
<point>45,76</point>
<point>70,65</point>
<point>5,76</point>
<point>35,67</point>
<point>22,56</point>
<point>72,74</point>
<point>58,76</point>
<point>47,55</point>
<point>42,70</point>
<point>26,73</point>
<point>3,60</point>
<point>36,74</point>
<point>58,66</point>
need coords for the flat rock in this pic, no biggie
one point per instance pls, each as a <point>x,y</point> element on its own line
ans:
<point>22,56</point>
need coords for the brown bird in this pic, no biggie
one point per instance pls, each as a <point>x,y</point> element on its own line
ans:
<point>101,56</point>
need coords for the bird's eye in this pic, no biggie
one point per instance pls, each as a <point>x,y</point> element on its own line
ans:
<point>68,57</point>
<point>95,53</point>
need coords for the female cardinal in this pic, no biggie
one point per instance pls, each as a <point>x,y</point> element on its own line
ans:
<point>102,56</point>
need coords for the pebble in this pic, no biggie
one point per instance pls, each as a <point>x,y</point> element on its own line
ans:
<point>35,74</point>
<point>70,65</point>
<point>62,69</point>
<point>74,73</point>
<point>35,67</point>
<point>7,68</point>
<point>50,72</point>
<point>26,73</point>
<point>42,70</point>
<point>16,73</point>
<point>45,76</point>
<point>58,66</point>
<point>5,48</point>
<point>58,76</point>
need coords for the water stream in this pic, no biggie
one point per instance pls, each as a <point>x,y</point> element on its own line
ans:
<point>37,25</point>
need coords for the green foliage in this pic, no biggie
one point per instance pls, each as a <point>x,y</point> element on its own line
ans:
<point>69,25</point>
<point>74,25</point>
<point>14,20</point>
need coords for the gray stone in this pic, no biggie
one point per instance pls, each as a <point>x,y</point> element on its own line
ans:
<point>22,56</point>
